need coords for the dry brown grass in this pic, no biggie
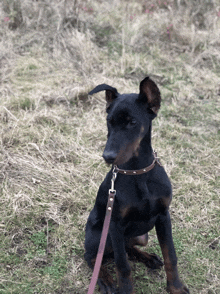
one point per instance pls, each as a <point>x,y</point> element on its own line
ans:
<point>52,135</point>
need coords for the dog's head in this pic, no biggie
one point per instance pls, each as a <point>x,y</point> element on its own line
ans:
<point>129,119</point>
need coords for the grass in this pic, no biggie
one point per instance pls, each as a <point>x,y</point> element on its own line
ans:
<point>53,134</point>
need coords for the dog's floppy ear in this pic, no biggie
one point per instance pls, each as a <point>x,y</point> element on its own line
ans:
<point>110,93</point>
<point>150,94</point>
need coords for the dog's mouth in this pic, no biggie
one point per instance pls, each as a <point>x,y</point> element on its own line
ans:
<point>124,154</point>
<point>108,160</point>
<point>117,161</point>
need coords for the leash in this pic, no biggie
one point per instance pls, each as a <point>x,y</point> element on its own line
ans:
<point>111,198</point>
<point>109,207</point>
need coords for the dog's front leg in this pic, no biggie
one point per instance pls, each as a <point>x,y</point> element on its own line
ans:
<point>120,256</point>
<point>164,233</point>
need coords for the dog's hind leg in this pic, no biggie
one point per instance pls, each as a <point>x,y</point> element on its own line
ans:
<point>150,260</point>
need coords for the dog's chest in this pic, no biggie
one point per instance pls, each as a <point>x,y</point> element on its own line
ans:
<point>138,205</point>
<point>143,211</point>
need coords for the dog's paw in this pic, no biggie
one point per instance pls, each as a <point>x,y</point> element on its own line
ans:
<point>180,290</point>
<point>125,285</point>
<point>153,261</point>
<point>106,288</point>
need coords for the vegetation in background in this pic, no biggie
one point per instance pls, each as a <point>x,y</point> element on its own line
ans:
<point>52,134</point>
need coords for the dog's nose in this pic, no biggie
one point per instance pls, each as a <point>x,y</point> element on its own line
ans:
<point>109,156</point>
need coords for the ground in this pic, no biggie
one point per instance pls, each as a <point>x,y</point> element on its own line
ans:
<point>52,53</point>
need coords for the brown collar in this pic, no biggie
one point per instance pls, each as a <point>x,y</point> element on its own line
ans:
<point>139,171</point>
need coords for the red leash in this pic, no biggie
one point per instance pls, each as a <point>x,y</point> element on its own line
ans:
<point>111,198</point>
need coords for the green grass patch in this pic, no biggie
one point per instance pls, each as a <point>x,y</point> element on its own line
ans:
<point>53,134</point>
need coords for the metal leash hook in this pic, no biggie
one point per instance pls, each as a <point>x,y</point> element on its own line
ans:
<point>114,176</point>
<point>157,159</point>
<point>112,191</point>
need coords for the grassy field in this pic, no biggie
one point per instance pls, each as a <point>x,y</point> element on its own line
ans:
<point>52,134</point>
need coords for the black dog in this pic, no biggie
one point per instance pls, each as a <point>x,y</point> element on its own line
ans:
<point>141,201</point>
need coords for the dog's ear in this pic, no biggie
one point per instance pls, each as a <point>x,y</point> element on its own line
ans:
<point>110,93</point>
<point>150,94</point>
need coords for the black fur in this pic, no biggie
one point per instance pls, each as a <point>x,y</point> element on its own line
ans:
<point>142,201</point>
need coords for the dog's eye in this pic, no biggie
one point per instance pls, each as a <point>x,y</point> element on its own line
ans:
<point>132,122</point>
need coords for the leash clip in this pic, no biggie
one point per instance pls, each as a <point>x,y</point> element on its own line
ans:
<point>156,158</point>
<point>114,176</point>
